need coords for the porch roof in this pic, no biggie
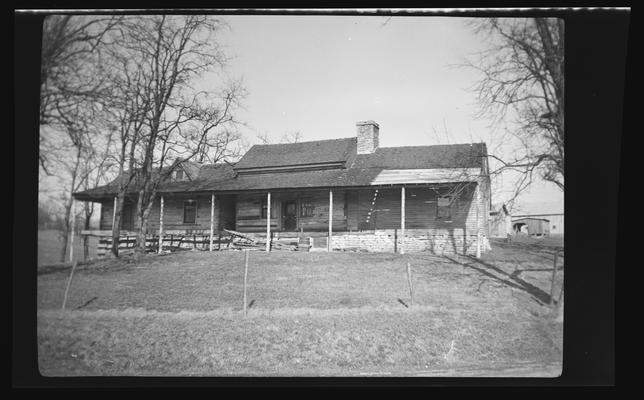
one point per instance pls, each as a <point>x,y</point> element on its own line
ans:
<point>386,166</point>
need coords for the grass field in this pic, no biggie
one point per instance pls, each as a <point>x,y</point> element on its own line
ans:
<point>309,314</point>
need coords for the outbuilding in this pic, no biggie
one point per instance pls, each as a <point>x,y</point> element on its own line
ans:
<point>531,226</point>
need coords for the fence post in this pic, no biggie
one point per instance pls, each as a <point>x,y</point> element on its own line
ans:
<point>478,221</point>
<point>212,219</point>
<point>161,226</point>
<point>411,287</point>
<point>245,277</point>
<point>69,283</point>
<point>402,220</point>
<point>328,242</point>
<point>71,245</point>
<point>554,274</point>
<point>268,222</point>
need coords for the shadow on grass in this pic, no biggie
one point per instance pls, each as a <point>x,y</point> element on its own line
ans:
<point>511,280</point>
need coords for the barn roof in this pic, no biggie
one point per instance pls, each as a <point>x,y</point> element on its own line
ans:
<point>529,219</point>
<point>389,165</point>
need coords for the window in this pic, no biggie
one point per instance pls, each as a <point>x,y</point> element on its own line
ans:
<point>263,212</point>
<point>178,175</point>
<point>444,208</point>
<point>189,212</point>
<point>307,209</point>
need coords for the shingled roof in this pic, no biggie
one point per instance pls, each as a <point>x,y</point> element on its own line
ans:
<point>430,162</point>
<point>303,153</point>
<point>426,157</point>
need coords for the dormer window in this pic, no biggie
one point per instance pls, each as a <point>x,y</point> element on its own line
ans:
<point>178,175</point>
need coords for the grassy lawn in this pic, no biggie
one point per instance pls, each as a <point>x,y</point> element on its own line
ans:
<point>309,314</point>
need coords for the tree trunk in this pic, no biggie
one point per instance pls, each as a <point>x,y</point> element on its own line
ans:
<point>68,206</point>
<point>143,208</point>
<point>68,211</point>
<point>116,228</point>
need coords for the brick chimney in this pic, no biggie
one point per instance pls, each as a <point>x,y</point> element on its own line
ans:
<point>367,137</point>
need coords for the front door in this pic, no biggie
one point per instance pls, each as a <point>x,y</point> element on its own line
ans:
<point>127,218</point>
<point>289,215</point>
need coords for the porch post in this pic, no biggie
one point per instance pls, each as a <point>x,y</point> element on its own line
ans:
<point>478,220</point>
<point>71,244</point>
<point>268,221</point>
<point>161,226</point>
<point>212,219</point>
<point>328,242</point>
<point>402,220</point>
<point>114,213</point>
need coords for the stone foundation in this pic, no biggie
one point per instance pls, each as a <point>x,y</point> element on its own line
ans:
<point>415,241</point>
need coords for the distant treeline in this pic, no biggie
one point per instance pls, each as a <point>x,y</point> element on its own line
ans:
<point>48,219</point>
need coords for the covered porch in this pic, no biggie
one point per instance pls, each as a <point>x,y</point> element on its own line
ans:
<point>393,218</point>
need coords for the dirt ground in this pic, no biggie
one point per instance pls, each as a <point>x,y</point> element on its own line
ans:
<point>308,314</point>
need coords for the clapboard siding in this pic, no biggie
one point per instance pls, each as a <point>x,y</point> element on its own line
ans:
<point>173,213</point>
<point>420,209</point>
<point>248,213</point>
<point>128,216</point>
<point>320,219</point>
<point>248,218</point>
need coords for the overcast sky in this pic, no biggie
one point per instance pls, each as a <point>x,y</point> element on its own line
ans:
<point>319,75</point>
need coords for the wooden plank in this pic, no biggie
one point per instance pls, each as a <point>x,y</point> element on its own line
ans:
<point>239,234</point>
<point>104,233</point>
<point>434,175</point>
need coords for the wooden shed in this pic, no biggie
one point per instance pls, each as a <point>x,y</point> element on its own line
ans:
<point>531,226</point>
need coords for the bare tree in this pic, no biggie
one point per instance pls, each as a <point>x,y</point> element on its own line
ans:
<point>127,104</point>
<point>75,159</point>
<point>95,167</point>
<point>292,137</point>
<point>70,65</point>
<point>162,118</point>
<point>264,138</point>
<point>522,86</point>
<point>288,137</point>
<point>72,84</point>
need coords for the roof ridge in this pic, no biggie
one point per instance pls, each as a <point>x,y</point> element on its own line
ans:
<point>429,145</point>
<point>309,141</point>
